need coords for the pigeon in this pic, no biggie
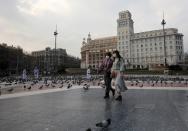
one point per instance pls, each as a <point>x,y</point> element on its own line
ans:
<point>61,86</point>
<point>79,82</point>
<point>47,85</point>
<point>89,129</point>
<point>24,87</point>
<point>29,88</point>
<point>103,86</point>
<point>141,85</point>
<point>53,86</point>
<point>32,84</point>
<point>69,86</point>
<point>10,90</point>
<point>86,87</point>
<point>104,123</point>
<point>40,87</point>
<point>165,83</point>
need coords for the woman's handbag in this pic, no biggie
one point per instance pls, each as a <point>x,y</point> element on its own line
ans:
<point>113,74</point>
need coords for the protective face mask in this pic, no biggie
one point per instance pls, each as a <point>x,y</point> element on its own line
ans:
<point>114,55</point>
<point>107,57</point>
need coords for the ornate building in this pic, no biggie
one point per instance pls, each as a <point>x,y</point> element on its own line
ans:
<point>140,50</point>
<point>93,51</point>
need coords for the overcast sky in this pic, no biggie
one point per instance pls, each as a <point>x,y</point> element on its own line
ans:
<point>31,23</point>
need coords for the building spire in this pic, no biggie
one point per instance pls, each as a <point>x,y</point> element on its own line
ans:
<point>89,38</point>
<point>89,35</point>
<point>163,20</point>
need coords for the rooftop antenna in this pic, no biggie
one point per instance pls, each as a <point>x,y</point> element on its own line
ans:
<point>163,23</point>
<point>55,58</point>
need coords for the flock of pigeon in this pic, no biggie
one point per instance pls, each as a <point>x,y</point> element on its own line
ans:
<point>10,85</point>
<point>156,81</point>
<point>14,85</point>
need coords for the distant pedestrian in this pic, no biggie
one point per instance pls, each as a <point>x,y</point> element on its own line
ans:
<point>88,75</point>
<point>24,75</point>
<point>36,73</point>
<point>118,70</point>
<point>106,66</point>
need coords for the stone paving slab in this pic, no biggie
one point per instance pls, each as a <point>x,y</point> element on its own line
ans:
<point>77,110</point>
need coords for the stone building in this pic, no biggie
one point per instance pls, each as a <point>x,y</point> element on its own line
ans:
<point>140,50</point>
<point>145,49</point>
<point>93,51</point>
<point>48,61</point>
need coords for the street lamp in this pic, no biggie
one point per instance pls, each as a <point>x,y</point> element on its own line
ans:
<point>163,24</point>
<point>55,59</point>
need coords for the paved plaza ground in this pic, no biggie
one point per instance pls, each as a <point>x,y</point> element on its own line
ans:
<point>77,110</point>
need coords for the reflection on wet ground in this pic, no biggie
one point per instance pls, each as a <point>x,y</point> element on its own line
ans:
<point>77,110</point>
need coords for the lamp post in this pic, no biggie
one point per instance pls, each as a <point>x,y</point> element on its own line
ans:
<point>163,24</point>
<point>55,58</point>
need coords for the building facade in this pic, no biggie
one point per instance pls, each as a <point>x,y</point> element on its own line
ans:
<point>48,61</point>
<point>145,49</point>
<point>140,50</point>
<point>93,51</point>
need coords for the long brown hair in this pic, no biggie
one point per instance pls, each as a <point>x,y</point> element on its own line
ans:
<point>117,54</point>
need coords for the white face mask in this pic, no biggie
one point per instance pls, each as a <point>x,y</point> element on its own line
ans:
<point>114,55</point>
<point>107,57</point>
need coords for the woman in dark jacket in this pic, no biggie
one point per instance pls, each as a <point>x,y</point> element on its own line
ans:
<point>106,66</point>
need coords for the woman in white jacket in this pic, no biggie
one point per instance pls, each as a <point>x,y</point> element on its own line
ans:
<point>118,70</point>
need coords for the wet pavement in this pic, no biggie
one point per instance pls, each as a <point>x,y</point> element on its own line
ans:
<point>77,110</point>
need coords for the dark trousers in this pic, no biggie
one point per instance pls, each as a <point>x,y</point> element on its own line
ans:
<point>107,80</point>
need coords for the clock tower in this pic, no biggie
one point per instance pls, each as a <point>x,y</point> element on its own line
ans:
<point>125,30</point>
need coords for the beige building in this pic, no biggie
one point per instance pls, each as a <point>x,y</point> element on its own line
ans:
<point>140,50</point>
<point>93,51</point>
<point>146,49</point>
